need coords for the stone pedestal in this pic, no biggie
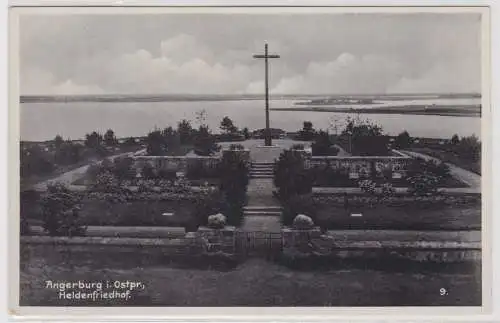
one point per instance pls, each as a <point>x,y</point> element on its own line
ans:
<point>217,240</point>
<point>298,238</point>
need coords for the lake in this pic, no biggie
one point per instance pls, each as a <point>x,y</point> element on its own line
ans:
<point>44,120</point>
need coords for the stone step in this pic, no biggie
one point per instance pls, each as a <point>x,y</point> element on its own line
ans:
<point>262,208</point>
<point>261,213</point>
<point>261,176</point>
<point>263,164</point>
<point>256,172</point>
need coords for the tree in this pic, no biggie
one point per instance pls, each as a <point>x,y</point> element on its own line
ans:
<point>228,126</point>
<point>93,140</point>
<point>171,139</point>
<point>403,140</point>
<point>455,140</point>
<point>365,138</point>
<point>35,161</point>
<point>155,144</point>
<point>246,133</point>
<point>185,131</point>
<point>323,145</point>
<point>290,176</point>
<point>69,153</point>
<point>201,117</point>
<point>204,143</point>
<point>469,148</point>
<point>109,138</point>
<point>58,141</point>
<point>307,133</point>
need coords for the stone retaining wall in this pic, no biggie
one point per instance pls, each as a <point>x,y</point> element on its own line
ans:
<point>362,166</point>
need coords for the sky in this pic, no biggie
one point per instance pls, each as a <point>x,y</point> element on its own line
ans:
<point>212,53</point>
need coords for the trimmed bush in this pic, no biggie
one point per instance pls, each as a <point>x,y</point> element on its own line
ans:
<point>290,176</point>
<point>60,212</point>
<point>302,221</point>
<point>216,221</point>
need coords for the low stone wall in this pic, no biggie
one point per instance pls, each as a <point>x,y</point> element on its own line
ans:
<point>301,244</point>
<point>363,166</point>
<point>175,163</point>
<point>182,163</point>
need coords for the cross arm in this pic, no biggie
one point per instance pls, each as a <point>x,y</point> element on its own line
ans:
<point>266,56</point>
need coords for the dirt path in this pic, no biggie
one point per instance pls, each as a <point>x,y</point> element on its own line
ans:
<point>71,176</point>
<point>470,178</point>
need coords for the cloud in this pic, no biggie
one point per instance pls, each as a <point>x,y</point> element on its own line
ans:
<point>453,76</point>
<point>36,81</point>
<point>212,54</point>
<point>345,74</point>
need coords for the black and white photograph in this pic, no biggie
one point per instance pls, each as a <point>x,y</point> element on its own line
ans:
<point>251,158</point>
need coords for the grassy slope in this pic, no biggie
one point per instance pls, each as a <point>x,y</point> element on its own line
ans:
<point>259,283</point>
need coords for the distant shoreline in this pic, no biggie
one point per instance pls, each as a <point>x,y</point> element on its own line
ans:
<point>232,97</point>
<point>439,110</point>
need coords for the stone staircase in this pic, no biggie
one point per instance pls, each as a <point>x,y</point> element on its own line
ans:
<point>261,170</point>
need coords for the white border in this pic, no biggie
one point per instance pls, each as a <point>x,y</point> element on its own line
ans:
<point>274,314</point>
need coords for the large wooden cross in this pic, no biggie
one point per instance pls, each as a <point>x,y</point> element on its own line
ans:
<point>266,56</point>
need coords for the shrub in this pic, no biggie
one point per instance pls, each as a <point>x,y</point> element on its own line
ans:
<point>302,221</point>
<point>298,147</point>
<point>148,172</point>
<point>420,166</point>
<point>122,168</point>
<point>105,182</point>
<point>60,211</point>
<point>290,176</point>
<point>387,190</point>
<point>167,174</point>
<point>236,147</point>
<point>423,184</point>
<point>216,221</point>
<point>234,181</point>
<point>367,186</point>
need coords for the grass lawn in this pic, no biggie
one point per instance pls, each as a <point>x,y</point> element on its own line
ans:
<point>137,213</point>
<point>409,217</point>
<point>132,213</point>
<point>451,158</point>
<point>255,282</point>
